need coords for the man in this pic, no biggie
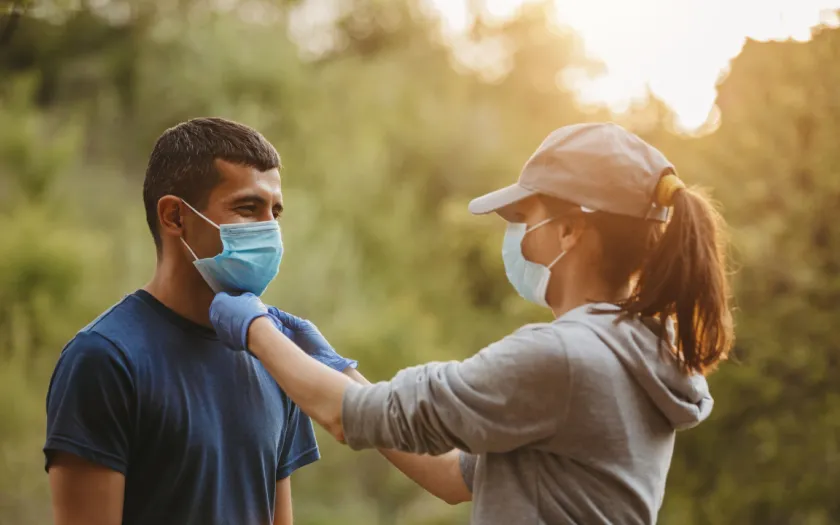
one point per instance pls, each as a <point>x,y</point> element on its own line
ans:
<point>150,419</point>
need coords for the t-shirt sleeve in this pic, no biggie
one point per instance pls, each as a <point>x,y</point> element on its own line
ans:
<point>299,447</point>
<point>510,394</point>
<point>90,403</point>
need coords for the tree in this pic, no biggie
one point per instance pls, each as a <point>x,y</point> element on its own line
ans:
<point>770,452</point>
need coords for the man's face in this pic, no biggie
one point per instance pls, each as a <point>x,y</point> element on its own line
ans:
<point>243,194</point>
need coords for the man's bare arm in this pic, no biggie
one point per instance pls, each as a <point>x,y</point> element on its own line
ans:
<point>84,493</point>
<point>438,475</point>
<point>283,503</point>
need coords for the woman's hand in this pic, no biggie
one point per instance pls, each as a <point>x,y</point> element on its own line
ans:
<point>232,315</point>
<point>307,336</point>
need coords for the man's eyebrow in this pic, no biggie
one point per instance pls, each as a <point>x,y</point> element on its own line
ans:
<point>255,199</point>
<point>249,199</point>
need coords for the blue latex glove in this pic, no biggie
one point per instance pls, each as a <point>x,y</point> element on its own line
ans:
<point>307,336</point>
<point>232,315</point>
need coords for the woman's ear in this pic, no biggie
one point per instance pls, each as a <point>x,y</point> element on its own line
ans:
<point>570,229</point>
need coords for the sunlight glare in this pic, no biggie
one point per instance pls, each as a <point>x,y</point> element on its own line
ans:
<point>677,49</point>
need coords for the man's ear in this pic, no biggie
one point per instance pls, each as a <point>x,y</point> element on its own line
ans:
<point>170,211</point>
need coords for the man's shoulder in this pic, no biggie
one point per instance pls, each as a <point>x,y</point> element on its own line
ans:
<point>109,332</point>
<point>89,344</point>
<point>132,308</point>
<point>90,357</point>
<point>110,317</point>
<point>127,323</point>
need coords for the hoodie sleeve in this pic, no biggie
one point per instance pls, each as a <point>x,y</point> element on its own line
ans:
<point>510,394</point>
<point>468,462</point>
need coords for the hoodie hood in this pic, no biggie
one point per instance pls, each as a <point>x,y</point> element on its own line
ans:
<point>683,399</point>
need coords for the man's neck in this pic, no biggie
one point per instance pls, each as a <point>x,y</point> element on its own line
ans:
<point>182,290</point>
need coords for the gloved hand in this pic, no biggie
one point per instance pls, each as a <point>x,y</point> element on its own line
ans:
<point>307,336</point>
<point>232,315</point>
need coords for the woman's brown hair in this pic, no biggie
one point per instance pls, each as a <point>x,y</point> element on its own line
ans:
<point>680,273</point>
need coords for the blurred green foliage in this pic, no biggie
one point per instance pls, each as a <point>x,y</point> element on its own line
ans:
<point>385,134</point>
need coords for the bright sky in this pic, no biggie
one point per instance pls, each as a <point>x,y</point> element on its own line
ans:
<point>676,48</point>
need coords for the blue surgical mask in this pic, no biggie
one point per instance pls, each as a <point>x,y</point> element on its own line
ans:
<point>528,278</point>
<point>250,258</point>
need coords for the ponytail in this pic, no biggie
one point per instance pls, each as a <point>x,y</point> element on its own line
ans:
<point>683,276</point>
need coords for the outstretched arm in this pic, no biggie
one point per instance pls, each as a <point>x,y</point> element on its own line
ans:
<point>440,475</point>
<point>509,395</point>
<point>318,391</point>
<point>314,387</point>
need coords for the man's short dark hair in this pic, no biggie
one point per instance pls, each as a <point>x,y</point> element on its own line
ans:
<point>182,162</point>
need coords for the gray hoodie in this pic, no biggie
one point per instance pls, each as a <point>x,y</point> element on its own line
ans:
<point>566,422</point>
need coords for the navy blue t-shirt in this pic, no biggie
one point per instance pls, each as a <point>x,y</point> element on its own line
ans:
<point>202,433</point>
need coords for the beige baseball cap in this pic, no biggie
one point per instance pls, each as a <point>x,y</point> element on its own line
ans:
<point>598,166</point>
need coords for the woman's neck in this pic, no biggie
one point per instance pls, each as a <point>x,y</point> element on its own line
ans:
<point>565,297</point>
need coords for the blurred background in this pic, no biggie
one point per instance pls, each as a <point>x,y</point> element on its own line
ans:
<point>389,116</point>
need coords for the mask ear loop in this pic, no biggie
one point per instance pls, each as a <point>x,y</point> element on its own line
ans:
<point>550,266</point>
<point>203,217</point>
<point>540,224</point>
<point>200,214</point>
<point>188,248</point>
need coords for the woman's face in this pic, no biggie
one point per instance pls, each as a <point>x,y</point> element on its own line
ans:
<point>544,244</point>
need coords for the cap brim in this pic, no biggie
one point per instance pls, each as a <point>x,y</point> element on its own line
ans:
<point>499,199</point>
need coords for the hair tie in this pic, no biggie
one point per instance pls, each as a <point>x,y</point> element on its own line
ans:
<point>667,187</point>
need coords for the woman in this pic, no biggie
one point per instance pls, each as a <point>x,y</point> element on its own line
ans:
<point>566,422</point>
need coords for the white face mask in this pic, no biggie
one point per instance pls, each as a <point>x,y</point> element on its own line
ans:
<point>529,279</point>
